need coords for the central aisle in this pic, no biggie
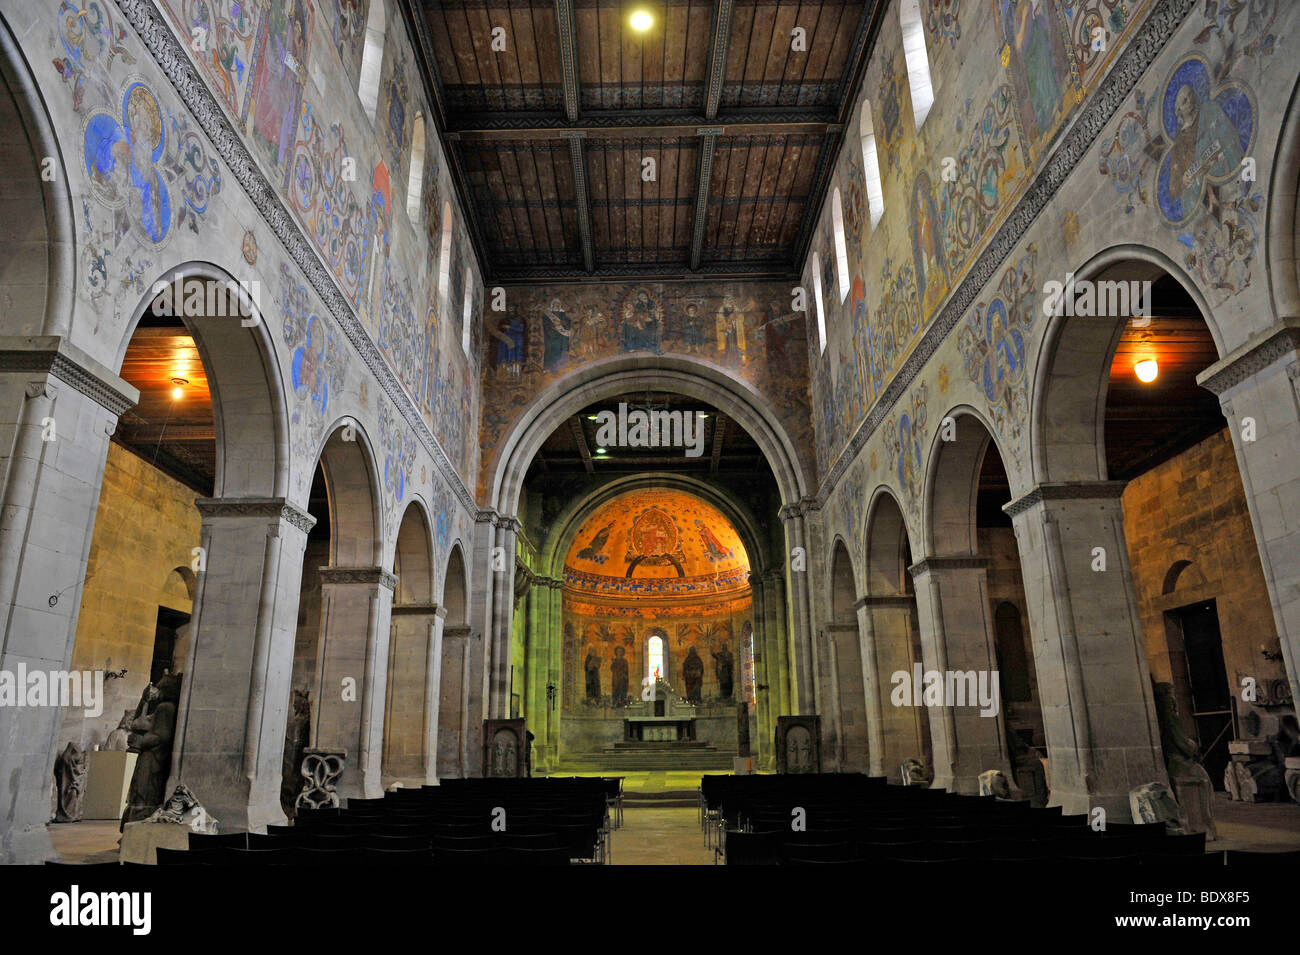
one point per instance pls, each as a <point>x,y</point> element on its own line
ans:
<point>660,837</point>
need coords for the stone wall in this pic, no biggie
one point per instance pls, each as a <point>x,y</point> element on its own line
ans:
<point>145,528</point>
<point>1190,539</point>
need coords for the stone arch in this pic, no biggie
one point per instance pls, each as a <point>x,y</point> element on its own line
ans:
<point>1280,238</point>
<point>410,707</point>
<point>614,376</point>
<point>847,677</point>
<point>1072,369</point>
<point>460,675</point>
<point>952,483</point>
<point>248,394</point>
<point>43,253</point>
<point>893,636</point>
<point>455,587</point>
<point>352,482</point>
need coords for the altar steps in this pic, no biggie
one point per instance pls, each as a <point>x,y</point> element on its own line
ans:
<point>650,757</point>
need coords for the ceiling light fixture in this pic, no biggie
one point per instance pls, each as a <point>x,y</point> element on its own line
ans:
<point>641,20</point>
<point>178,392</point>
<point>1146,370</point>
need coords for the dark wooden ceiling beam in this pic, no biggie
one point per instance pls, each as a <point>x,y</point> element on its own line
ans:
<point>703,181</point>
<point>799,127</point>
<point>567,34</point>
<point>579,161</point>
<point>719,435</point>
<point>580,439</point>
<point>593,121</point>
<point>719,38</point>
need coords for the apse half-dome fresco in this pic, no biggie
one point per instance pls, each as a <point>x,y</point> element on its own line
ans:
<point>656,543</point>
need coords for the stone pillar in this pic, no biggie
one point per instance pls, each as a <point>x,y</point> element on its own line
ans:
<point>957,635</point>
<point>804,677</point>
<point>762,675</point>
<point>352,673</point>
<point>1261,381</point>
<point>234,705</point>
<point>1089,652</point>
<point>895,732</point>
<point>540,642</point>
<point>871,689</point>
<point>415,666</point>
<point>58,407</point>
<point>459,725</point>
<point>497,690</point>
<point>778,646</point>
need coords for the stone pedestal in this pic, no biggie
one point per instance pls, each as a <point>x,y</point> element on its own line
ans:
<point>107,782</point>
<point>142,840</point>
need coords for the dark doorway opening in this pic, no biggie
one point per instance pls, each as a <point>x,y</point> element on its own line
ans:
<point>1202,683</point>
<point>164,642</point>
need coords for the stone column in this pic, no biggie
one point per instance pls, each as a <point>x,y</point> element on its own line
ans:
<point>1259,389</point>
<point>540,643</point>
<point>957,636</point>
<point>1089,651</point>
<point>497,690</point>
<point>352,673</point>
<point>762,677</point>
<point>804,681</point>
<point>778,646</point>
<point>871,689</point>
<point>58,407</point>
<point>234,706</point>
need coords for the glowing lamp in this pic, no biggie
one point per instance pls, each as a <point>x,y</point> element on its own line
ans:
<point>178,392</point>
<point>1146,370</point>
<point>641,20</point>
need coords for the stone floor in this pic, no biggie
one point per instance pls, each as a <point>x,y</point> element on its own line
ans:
<point>653,835</point>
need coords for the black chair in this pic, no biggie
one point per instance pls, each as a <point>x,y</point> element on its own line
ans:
<point>1268,859</point>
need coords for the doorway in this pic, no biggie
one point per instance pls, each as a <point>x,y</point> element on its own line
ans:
<point>1201,682</point>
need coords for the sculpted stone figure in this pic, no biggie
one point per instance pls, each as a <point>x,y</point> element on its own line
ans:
<point>693,675</point>
<point>151,737</point>
<point>618,676</point>
<point>70,780</point>
<point>1190,782</point>
<point>724,663</point>
<point>116,741</point>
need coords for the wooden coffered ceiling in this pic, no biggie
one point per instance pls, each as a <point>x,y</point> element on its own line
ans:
<point>548,138</point>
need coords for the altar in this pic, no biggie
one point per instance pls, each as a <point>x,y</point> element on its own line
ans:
<point>665,718</point>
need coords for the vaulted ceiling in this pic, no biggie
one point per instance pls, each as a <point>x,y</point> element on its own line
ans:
<point>701,146</point>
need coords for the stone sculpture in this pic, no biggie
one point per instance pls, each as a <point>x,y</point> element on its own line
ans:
<point>296,732</point>
<point>117,740</point>
<point>182,808</point>
<point>1155,802</point>
<point>1190,781</point>
<point>914,773</point>
<point>70,783</point>
<point>151,737</point>
<point>693,675</point>
<point>993,782</point>
<point>724,664</point>
<point>618,676</point>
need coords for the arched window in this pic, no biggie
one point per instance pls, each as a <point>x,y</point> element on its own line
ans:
<point>469,311</point>
<point>871,166</point>
<point>372,59</point>
<point>817,294</point>
<point>654,666</point>
<point>841,249</point>
<point>444,261</point>
<point>918,61</point>
<point>415,178</point>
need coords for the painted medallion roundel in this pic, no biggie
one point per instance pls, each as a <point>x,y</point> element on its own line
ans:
<point>653,534</point>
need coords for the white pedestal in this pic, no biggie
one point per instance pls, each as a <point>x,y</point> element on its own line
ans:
<point>108,779</point>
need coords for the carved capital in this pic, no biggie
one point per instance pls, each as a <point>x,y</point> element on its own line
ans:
<point>929,565</point>
<point>269,507</point>
<point>358,575</point>
<point>1072,491</point>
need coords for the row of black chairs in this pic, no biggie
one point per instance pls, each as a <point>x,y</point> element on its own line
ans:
<point>853,819</point>
<point>461,822</point>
